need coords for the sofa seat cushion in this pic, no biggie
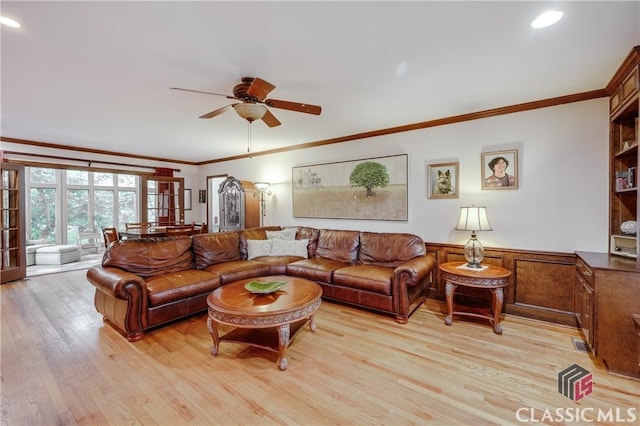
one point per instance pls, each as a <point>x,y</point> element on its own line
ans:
<point>317,269</point>
<point>176,286</point>
<point>239,269</point>
<point>376,279</point>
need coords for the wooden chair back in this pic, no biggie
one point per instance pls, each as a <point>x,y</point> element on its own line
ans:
<point>135,225</point>
<point>110,235</point>
<point>200,228</point>
<point>174,231</point>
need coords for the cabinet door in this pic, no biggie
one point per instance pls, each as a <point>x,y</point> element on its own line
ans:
<point>12,227</point>
<point>584,309</point>
<point>162,200</point>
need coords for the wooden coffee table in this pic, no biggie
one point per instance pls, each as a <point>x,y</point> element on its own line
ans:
<point>268,321</point>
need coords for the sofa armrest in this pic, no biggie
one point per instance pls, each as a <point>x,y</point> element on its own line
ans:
<point>114,281</point>
<point>122,298</point>
<point>415,270</point>
<point>409,284</point>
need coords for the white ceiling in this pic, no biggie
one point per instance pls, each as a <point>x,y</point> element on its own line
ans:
<point>97,74</point>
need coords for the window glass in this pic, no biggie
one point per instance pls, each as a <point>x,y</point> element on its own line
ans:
<point>43,213</point>
<point>103,209</point>
<point>127,181</point>
<point>127,204</point>
<point>103,179</point>
<point>40,175</point>
<point>77,177</point>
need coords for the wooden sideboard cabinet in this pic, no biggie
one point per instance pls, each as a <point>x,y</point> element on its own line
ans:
<point>607,298</point>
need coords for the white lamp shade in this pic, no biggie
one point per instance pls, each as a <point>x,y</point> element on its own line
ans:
<point>473,219</point>
<point>262,186</point>
<point>249,111</point>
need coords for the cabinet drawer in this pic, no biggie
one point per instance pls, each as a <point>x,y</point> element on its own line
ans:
<point>585,271</point>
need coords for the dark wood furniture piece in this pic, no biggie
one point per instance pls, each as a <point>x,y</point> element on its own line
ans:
<point>493,278</point>
<point>239,205</point>
<point>607,298</point>
<point>268,321</point>
<point>109,235</point>
<point>13,257</point>
<point>624,135</point>
<point>162,198</point>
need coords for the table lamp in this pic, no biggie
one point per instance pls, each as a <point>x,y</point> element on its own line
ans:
<point>473,219</point>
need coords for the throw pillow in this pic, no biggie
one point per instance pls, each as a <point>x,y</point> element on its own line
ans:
<point>288,234</point>
<point>290,248</point>
<point>258,248</point>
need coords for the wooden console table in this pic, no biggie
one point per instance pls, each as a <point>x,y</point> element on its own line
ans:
<point>492,277</point>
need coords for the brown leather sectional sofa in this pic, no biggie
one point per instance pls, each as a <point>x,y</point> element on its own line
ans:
<point>142,284</point>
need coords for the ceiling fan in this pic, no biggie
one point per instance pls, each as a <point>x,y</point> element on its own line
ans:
<point>251,93</point>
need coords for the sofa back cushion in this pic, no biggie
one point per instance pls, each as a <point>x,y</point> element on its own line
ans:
<point>338,245</point>
<point>220,247</point>
<point>150,258</point>
<point>311,234</point>
<point>389,249</point>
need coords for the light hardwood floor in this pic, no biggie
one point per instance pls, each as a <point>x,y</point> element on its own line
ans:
<point>61,364</point>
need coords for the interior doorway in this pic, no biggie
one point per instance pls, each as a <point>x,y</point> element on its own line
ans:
<point>213,203</point>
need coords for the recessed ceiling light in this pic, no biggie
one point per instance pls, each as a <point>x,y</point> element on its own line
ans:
<point>547,18</point>
<point>9,22</point>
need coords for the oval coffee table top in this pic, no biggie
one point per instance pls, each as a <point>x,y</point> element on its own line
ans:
<point>234,299</point>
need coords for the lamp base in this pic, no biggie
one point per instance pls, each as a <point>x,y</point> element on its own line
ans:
<point>475,265</point>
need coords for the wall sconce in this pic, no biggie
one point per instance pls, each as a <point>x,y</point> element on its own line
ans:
<point>202,196</point>
<point>473,219</point>
<point>263,188</point>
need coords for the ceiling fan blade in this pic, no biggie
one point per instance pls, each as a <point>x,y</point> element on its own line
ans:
<point>294,106</point>
<point>216,112</point>
<point>270,119</point>
<point>204,93</point>
<point>260,88</point>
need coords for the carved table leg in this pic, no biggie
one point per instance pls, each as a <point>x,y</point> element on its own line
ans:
<point>498,298</point>
<point>312,322</point>
<point>213,330</point>
<point>283,342</point>
<point>449,289</point>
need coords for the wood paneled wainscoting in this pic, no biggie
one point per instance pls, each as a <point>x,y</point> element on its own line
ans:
<point>542,283</point>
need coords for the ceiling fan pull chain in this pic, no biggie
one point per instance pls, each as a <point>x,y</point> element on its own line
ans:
<point>249,136</point>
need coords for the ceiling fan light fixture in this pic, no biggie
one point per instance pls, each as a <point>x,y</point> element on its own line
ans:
<point>250,111</point>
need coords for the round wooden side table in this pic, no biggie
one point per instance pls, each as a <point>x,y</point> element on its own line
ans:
<point>492,277</point>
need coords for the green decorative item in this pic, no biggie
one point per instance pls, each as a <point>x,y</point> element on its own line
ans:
<point>259,287</point>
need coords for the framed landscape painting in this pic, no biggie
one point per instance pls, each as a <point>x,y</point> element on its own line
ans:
<point>442,180</point>
<point>372,188</point>
<point>500,169</point>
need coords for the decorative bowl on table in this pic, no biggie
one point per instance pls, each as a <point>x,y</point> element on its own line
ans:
<point>261,287</point>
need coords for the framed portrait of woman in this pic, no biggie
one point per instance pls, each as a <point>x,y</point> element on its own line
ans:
<point>500,169</point>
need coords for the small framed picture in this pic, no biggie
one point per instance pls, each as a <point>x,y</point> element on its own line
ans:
<point>500,169</point>
<point>442,180</point>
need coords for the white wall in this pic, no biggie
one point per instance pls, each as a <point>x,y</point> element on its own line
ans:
<point>562,200</point>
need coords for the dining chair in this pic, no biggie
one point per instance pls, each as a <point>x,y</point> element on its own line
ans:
<point>175,231</point>
<point>135,225</point>
<point>110,235</point>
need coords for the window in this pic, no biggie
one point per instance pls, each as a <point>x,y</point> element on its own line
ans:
<point>63,203</point>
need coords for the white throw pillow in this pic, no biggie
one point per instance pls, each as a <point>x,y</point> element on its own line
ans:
<point>288,234</point>
<point>290,248</point>
<point>258,248</point>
